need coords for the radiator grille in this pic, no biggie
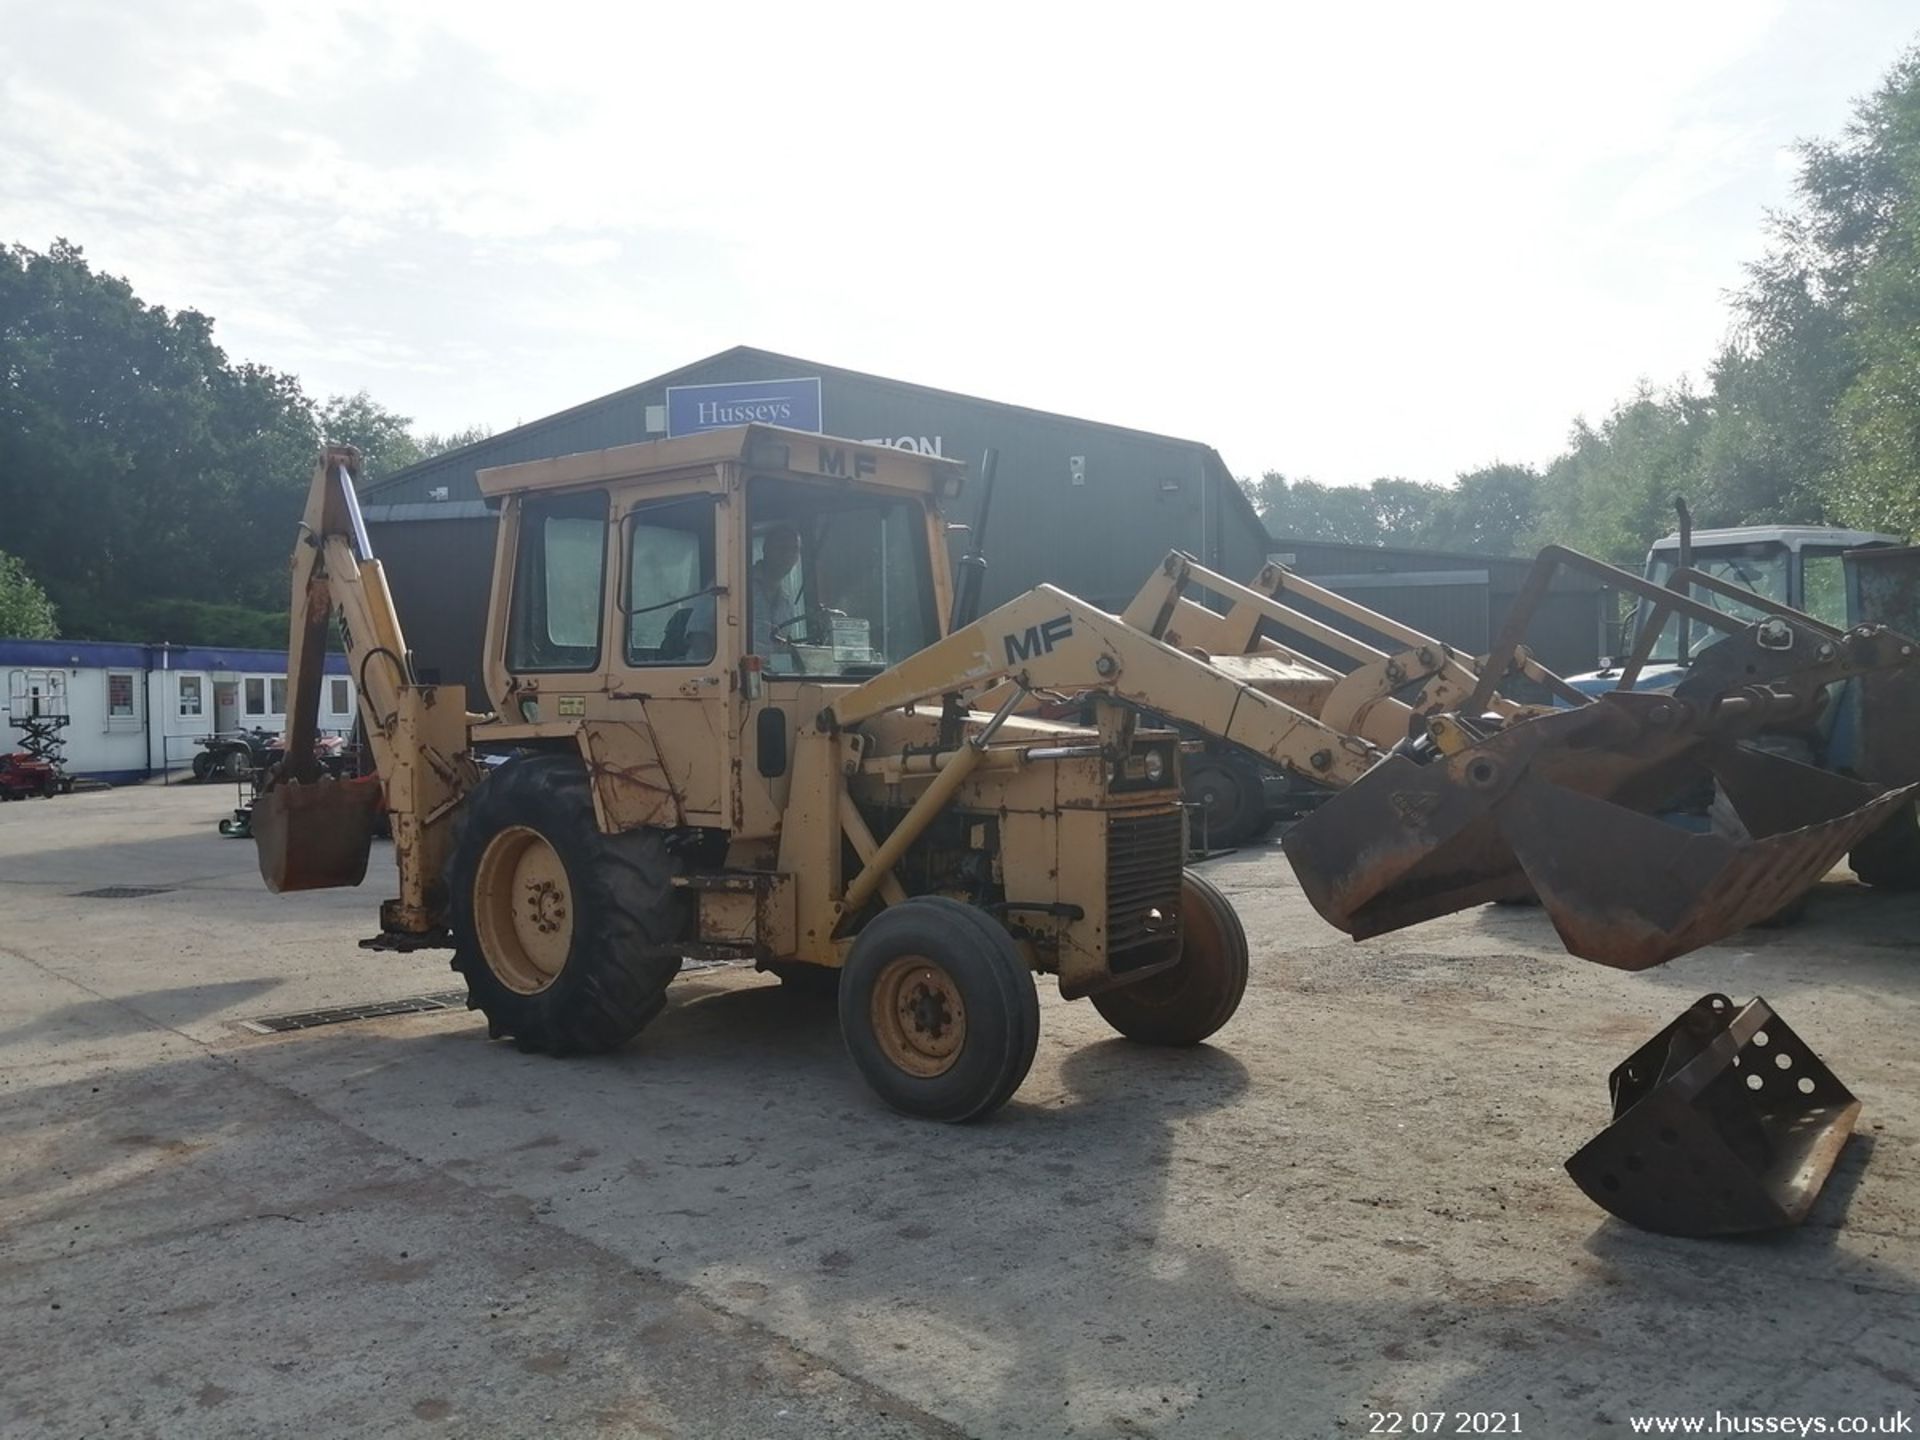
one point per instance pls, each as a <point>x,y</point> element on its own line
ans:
<point>1144,857</point>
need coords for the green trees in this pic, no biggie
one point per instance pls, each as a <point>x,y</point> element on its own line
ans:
<point>149,482</point>
<point>1493,510</point>
<point>136,463</point>
<point>25,611</point>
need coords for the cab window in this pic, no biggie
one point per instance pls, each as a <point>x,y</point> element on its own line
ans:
<point>1823,578</point>
<point>1762,567</point>
<point>669,605</point>
<point>840,582</point>
<point>554,619</point>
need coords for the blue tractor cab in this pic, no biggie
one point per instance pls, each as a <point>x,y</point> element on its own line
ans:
<point>1802,566</point>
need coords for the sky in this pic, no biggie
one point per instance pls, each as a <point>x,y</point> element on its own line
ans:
<point>1337,241</point>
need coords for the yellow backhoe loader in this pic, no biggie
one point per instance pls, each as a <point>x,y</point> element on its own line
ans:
<point>733,709</point>
<point>723,719</point>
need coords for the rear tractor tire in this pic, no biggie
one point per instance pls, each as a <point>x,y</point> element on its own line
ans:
<point>1889,858</point>
<point>1187,1003</point>
<point>565,935</point>
<point>938,1009</point>
<point>1231,798</point>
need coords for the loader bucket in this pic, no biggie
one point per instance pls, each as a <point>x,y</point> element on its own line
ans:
<point>316,835</point>
<point>1631,890</point>
<point>1568,807</point>
<point>1724,1123</point>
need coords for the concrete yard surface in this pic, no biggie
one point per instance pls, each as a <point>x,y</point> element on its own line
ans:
<point>1351,1202</point>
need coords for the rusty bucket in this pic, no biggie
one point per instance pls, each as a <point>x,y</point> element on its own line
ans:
<point>1725,1123</point>
<point>315,835</point>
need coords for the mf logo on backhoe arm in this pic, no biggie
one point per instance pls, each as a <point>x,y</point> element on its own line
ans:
<point>1038,639</point>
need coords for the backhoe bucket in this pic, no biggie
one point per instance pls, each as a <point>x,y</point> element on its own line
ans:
<point>315,835</point>
<point>1724,1123</point>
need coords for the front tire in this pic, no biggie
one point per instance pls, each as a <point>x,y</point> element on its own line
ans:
<point>1187,1003</point>
<point>938,1010</point>
<point>564,934</point>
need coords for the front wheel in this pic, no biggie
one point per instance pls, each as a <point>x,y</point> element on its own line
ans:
<point>1186,1003</point>
<point>938,1009</point>
<point>565,935</point>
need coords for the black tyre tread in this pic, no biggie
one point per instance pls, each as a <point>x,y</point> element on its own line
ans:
<point>1121,1009</point>
<point>1889,858</point>
<point>1026,1042</point>
<point>1017,997</point>
<point>626,911</point>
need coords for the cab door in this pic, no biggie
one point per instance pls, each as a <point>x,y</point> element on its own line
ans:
<point>668,672</point>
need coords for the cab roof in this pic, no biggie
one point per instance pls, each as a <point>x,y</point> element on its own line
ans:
<point>761,447</point>
<point>1792,536</point>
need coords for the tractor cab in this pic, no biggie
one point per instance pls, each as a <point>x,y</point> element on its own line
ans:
<point>1800,566</point>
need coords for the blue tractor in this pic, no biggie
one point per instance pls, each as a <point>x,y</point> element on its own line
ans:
<point>1842,578</point>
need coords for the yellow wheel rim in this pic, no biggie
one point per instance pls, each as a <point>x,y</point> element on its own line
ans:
<point>523,910</point>
<point>918,1016</point>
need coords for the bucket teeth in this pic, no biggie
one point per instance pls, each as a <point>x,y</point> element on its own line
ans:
<point>1725,1123</point>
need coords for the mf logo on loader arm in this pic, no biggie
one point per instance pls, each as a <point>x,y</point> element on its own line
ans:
<point>1038,639</point>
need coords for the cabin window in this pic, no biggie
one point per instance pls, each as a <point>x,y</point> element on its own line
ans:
<point>558,577</point>
<point>671,605</point>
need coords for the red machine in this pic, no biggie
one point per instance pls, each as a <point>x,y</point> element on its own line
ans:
<point>22,775</point>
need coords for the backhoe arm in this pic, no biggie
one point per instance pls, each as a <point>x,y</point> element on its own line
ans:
<point>1049,640</point>
<point>313,832</point>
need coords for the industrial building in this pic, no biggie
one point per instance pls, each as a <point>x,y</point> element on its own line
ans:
<point>125,712</point>
<point>1087,506</point>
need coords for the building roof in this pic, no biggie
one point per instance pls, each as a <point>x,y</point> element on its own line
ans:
<point>128,655</point>
<point>472,453</point>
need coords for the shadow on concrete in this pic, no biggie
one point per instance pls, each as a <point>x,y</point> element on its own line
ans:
<point>133,1014</point>
<point>1097,1239</point>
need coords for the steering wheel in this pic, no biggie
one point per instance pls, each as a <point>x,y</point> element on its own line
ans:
<point>781,637</point>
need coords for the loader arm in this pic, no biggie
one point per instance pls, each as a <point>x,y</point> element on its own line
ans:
<point>313,831</point>
<point>1049,640</point>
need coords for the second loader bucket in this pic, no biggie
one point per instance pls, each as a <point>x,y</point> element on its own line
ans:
<point>1569,807</point>
<point>1724,1123</point>
<point>316,835</point>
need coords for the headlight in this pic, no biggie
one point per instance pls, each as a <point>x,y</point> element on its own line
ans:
<point>1155,766</point>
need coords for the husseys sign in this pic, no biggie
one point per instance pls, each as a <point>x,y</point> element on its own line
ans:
<point>794,404</point>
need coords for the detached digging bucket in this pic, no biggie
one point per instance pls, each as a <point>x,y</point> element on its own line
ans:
<point>1724,1123</point>
<point>316,835</point>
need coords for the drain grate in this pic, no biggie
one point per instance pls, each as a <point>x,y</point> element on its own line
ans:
<point>122,892</point>
<point>342,1014</point>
